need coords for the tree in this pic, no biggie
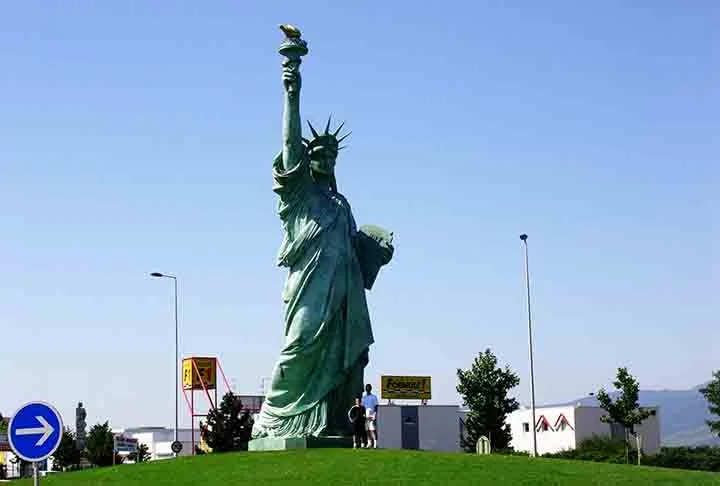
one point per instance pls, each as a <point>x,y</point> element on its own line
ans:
<point>142,454</point>
<point>227,430</point>
<point>484,389</point>
<point>100,445</point>
<point>67,455</point>
<point>712,395</point>
<point>625,410</point>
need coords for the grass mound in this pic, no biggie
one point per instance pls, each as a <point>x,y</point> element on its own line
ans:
<point>375,467</point>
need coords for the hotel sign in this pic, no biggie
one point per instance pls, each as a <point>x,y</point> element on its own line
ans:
<point>406,387</point>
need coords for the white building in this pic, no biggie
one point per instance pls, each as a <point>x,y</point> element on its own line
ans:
<point>422,427</point>
<point>564,427</point>
<point>159,439</point>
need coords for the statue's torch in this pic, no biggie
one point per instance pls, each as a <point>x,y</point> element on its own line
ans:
<point>292,48</point>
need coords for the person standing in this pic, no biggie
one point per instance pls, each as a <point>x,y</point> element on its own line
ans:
<point>370,402</point>
<point>357,416</point>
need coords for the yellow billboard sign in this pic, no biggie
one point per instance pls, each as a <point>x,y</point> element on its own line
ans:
<point>203,373</point>
<point>405,387</point>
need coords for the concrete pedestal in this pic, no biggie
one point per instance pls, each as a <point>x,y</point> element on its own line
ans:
<point>275,444</point>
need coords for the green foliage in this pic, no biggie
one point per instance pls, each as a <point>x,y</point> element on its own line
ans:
<point>512,452</point>
<point>597,449</point>
<point>226,430</point>
<point>3,424</point>
<point>712,395</point>
<point>142,455</point>
<point>605,449</point>
<point>99,445</point>
<point>67,455</point>
<point>484,388</point>
<point>625,410</point>
<point>696,458</point>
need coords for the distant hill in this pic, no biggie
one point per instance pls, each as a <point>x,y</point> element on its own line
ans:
<point>682,416</point>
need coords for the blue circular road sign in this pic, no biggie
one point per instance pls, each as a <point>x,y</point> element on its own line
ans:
<point>35,431</point>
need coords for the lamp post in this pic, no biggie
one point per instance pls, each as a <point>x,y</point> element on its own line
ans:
<point>177,352</point>
<point>263,384</point>
<point>524,237</point>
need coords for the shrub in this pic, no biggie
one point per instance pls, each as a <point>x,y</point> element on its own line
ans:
<point>604,449</point>
<point>226,429</point>
<point>597,449</point>
<point>696,458</point>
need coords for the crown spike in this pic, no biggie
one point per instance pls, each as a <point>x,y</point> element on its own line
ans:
<point>344,137</point>
<point>312,129</point>
<point>342,147</point>
<point>337,132</point>
<point>327,127</point>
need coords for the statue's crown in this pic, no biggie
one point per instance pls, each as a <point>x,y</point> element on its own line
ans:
<point>327,138</point>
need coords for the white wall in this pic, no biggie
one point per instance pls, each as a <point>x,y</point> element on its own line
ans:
<point>159,440</point>
<point>584,422</point>
<point>548,441</point>
<point>438,428</point>
<point>389,427</point>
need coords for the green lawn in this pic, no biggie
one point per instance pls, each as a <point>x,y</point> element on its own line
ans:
<point>375,467</point>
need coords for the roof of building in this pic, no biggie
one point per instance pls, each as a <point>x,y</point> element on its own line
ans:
<point>575,404</point>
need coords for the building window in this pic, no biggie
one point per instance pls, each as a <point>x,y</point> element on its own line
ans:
<point>542,424</point>
<point>526,427</point>
<point>562,423</point>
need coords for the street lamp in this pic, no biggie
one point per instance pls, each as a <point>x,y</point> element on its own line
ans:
<point>524,237</point>
<point>177,353</point>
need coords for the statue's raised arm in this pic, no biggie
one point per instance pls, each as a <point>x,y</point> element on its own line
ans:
<point>293,48</point>
<point>330,263</point>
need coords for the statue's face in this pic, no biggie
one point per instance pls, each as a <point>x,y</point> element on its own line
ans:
<point>322,159</point>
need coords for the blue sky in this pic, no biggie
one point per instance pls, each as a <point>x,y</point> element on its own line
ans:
<point>138,137</point>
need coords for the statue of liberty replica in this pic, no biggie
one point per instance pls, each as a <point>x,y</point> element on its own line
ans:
<point>330,264</point>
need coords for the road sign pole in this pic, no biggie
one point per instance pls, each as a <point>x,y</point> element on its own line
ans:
<point>36,475</point>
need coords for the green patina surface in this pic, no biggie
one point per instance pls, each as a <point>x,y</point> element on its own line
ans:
<point>330,265</point>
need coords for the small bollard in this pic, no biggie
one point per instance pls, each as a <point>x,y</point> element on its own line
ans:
<point>483,446</point>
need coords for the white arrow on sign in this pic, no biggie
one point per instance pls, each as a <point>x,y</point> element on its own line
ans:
<point>46,430</point>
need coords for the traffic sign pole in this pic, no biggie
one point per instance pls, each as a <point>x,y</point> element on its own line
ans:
<point>34,434</point>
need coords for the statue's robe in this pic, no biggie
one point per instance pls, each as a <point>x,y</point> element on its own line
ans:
<point>327,324</point>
